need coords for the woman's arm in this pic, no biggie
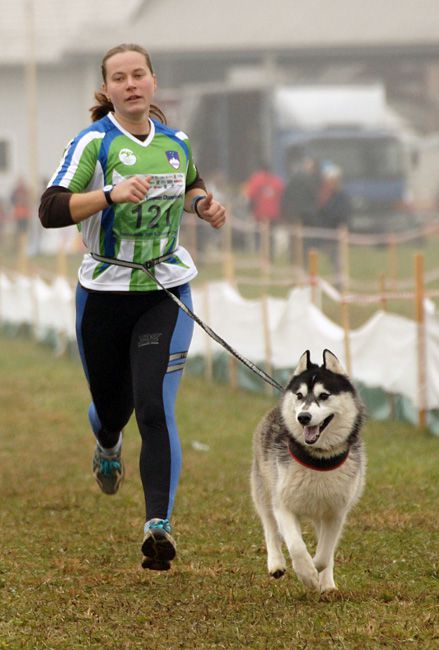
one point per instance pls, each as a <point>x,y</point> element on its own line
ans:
<point>54,211</point>
<point>206,207</point>
<point>59,207</point>
<point>82,205</point>
<point>131,190</point>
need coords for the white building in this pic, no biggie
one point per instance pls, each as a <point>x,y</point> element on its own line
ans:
<point>51,53</point>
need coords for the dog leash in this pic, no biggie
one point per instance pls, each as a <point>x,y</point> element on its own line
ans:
<point>146,268</point>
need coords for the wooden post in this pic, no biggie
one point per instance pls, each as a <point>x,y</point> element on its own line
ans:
<point>383,298</point>
<point>233,372</point>
<point>420,320</point>
<point>35,306</point>
<point>393,261</point>
<point>22,257</point>
<point>31,93</point>
<point>267,340</point>
<point>229,272</point>
<point>208,371</point>
<point>192,226</point>
<point>344,306</point>
<point>229,260</point>
<point>61,260</point>
<point>264,232</point>
<point>343,257</point>
<point>297,245</point>
<point>313,273</point>
<point>265,274</point>
<point>383,303</point>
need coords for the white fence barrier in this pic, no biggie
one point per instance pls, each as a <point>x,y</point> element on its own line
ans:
<point>383,351</point>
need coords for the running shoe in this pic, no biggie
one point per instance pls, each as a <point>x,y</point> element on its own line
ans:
<point>158,546</point>
<point>108,470</point>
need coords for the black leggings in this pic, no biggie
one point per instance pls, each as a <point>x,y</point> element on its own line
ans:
<point>133,348</point>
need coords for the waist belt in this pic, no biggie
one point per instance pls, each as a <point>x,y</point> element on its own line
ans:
<point>146,268</point>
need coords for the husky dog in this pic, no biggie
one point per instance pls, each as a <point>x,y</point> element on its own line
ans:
<point>309,461</point>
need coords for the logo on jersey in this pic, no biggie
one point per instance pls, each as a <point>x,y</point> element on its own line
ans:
<point>173,159</point>
<point>127,157</point>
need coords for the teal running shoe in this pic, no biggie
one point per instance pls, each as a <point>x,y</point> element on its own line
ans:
<point>158,546</point>
<point>108,470</point>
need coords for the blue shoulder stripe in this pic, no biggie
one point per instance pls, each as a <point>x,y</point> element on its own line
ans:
<point>100,126</point>
<point>107,219</point>
<point>111,133</point>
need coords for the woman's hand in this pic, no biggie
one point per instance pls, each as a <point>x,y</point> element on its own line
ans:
<point>131,190</point>
<point>211,211</point>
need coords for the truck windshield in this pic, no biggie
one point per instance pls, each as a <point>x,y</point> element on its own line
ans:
<point>361,158</point>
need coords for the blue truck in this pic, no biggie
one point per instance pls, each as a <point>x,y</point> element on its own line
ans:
<point>235,129</point>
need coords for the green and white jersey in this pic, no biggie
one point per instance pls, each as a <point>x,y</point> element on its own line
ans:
<point>104,154</point>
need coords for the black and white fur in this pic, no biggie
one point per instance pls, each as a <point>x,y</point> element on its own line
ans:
<point>309,462</point>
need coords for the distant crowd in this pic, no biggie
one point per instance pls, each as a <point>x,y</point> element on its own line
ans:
<point>312,196</point>
<point>16,212</point>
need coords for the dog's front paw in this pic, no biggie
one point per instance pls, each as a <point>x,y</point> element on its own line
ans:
<point>330,593</point>
<point>275,562</point>
<point>277,567</point>
<point>306,572</point>
<point>277,573</point>
<point>326,581</point>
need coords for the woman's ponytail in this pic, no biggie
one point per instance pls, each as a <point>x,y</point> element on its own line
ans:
<point>102,108</point>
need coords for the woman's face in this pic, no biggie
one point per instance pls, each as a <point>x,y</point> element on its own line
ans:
<point>130,85</point>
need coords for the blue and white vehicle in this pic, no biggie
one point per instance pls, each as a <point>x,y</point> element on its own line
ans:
<point>236,127</point>
<point>353,128</point>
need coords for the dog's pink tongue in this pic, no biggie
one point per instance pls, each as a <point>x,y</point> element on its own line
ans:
<point>311,434</point>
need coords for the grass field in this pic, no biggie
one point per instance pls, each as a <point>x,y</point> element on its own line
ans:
<point>70,573</point>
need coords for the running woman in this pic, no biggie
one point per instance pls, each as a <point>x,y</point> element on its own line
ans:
<point>125,181</point>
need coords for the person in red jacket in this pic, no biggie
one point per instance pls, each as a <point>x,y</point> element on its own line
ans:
<point>264,190</point>
<point>21,209</point>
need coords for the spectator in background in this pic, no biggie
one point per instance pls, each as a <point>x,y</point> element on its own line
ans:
<point>334,205</point>
<point>334,208</point>
<point>300,197</point>
<point>263,190</point>
<point>21,209</point>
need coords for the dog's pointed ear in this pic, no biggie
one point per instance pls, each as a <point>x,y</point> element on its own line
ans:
<point>330,362</point>
<point>304,363</point>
